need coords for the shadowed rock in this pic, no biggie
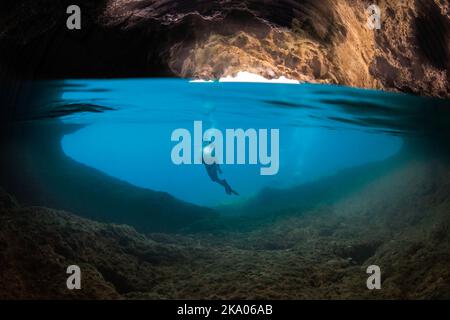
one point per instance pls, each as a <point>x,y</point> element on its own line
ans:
<point>315,41</point>
<point>35,169</point>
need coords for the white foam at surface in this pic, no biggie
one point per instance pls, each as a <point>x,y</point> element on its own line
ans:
<point>244,76</point>
<point>200,81</point>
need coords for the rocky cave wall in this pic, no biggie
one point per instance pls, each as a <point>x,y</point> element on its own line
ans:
<point>315,41</point>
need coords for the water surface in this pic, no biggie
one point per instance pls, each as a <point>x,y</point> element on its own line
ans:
<point>323,129</point>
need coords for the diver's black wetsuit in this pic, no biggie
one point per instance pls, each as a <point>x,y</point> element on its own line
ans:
<point>213,172</point>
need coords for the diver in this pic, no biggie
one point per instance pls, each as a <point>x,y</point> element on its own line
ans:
<point>213,170</point>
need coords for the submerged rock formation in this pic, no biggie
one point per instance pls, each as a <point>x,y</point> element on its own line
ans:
<point>38,244</point>
<point>315,41</point>
<point>35,169</point>
<point>400,222</point>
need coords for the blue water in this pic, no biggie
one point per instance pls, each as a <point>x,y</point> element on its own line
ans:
<point>321,131</point>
